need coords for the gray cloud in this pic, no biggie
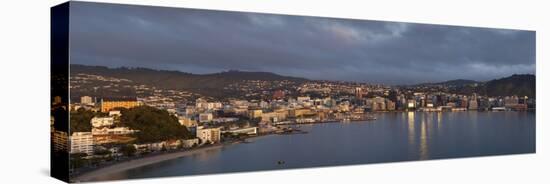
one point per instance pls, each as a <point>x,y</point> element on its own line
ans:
<point>203,41</point>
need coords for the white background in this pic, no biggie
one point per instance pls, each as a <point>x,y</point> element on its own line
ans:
<point>24,98</point>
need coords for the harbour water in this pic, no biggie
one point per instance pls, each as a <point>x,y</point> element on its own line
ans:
<point>393,137</point>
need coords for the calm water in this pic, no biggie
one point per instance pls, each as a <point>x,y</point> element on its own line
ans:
<point>400,136</point>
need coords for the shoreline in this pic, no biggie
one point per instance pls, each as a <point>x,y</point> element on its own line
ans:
<point>140,162</point>
<point>144,161</point>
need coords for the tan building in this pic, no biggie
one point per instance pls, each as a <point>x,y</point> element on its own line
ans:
<point>256,113</point>
<point>300,112</point>
<point>187,121</point>
<point>274,116</point>
<point>110,104</point>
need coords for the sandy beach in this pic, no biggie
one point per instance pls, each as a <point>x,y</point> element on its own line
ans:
<point>89,176</point>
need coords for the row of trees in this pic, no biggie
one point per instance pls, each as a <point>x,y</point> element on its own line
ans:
<point>80,120</point>
<point>154,124</point>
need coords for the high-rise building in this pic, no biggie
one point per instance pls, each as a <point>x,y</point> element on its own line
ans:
<point>390,105</point>
<point>473,104</point>
<point>358,93</point>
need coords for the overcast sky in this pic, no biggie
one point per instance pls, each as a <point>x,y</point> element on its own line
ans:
<point>205,41</point>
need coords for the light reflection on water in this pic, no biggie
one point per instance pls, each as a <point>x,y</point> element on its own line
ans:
<point>423,140</point>
<point>411,123</point>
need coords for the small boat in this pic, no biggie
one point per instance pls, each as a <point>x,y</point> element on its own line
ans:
<point>280,162</point>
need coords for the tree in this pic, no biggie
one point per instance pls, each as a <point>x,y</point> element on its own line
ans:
<point>77,160</point>
<point>102,152</point>
<point>128,150</point>
<point>154,125</point>
<point>80,120</point>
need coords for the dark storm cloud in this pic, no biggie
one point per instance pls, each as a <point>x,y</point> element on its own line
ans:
<point>201,41</point>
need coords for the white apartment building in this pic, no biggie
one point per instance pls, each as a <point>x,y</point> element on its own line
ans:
<point>113,131</point>
<point>249,131</point>
<point>86,100</point>
<point>82,142</point>
<point>114,113</point>
<point>212,135</point>
<point>102,121</point>
<point>188,143</point>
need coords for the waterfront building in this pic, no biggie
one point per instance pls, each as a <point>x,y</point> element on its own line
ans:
<point>300,112</point>
<point>511,101</point>
<point>82,142</point>
<point>210,135</point>
<point>451,104</point>
<point>157,146</point>
<point>411,104</point>
<point>378,104</point>
<point>272,117</point>
<point>473,104</point>
<point>464,102</point>
<point>188,143</point>
<point>390,105</point>
<point>249,131</point>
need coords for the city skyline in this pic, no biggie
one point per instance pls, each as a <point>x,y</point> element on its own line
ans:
<point>202,41</point>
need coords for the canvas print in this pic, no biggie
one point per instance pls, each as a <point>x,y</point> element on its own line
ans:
<point>144,91</point>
